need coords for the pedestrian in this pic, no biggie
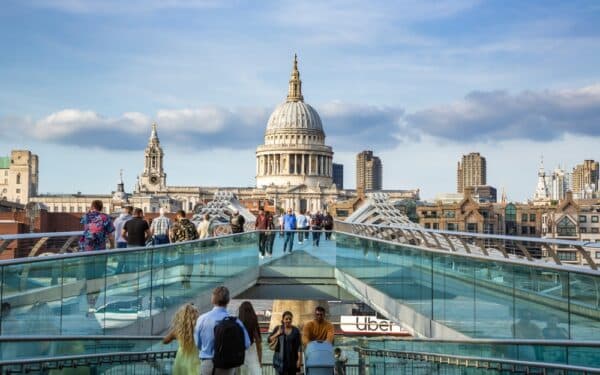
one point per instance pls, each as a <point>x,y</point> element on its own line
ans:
<point>302,224</point>
<point>328,225</point>
<point>289,226</point>
<point>280,222</point>
<point>205,229</point>
<point>261,225</point>
<point>318,329</point>
<point>270,235</point>
<point>204,333</point>
<point>285,343</point>
<point>97,228</point>
<point>237,222</point>
<point>315,225</point>
<point>340,362</point>
<point>187,360</point>
<point>253,358</point>
<point>183,229</point>
<point>159,230</point>
<point>136,231</point>
<point>124,217</point>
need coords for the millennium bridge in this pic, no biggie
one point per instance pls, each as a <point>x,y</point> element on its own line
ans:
<point>465,298</point>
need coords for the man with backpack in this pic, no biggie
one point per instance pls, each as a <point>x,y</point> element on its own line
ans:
<point>221,339</point>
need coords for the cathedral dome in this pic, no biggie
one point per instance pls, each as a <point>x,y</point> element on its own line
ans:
<point>294,115</point>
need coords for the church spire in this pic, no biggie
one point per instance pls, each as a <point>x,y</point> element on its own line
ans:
<point>295,88</point>
<point>154,134</point>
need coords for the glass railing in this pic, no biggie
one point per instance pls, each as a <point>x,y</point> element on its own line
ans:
<point>133,291</point>
<point>480,297</point>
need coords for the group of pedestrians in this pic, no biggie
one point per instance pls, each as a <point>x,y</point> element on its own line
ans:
<point>220,344</point>
<point>305,224</point>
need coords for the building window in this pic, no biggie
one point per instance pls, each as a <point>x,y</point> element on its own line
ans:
<point>532,217</point>
<point>597,255</point>
<point>427,226</point>
<point>489,228</point>
<point>450,226</point>
<point>595,230</point>
<point>472,227</point>
<point>583,230</point>
<point>72,209</point>
<point>582,218</point>
<point>436,226</point>
<point>523,230</point>
<point>567,255</point>
<point>18,191</point>
<point>18,178</point>
<point>594,218</point>
<point>449,213</point>
<point>510,212</point>
<point>566,227</point>
<point>524,217</point>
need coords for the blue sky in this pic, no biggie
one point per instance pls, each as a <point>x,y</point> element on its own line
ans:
<point>420,83</point>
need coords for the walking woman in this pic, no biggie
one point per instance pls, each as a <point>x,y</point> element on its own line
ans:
<point>285,342</point>
<point>253,358</point>
<point>187,360</point>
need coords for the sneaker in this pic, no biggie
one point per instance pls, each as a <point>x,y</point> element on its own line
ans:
<point>262,256</point>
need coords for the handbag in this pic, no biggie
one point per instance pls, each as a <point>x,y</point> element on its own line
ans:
<point>274,346</point>
<point>278,354</point>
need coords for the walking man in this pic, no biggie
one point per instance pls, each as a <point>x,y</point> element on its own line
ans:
<point>159,230</point>
<point>261,225</point>
<point>204,332</point>
<point>318,329</point>
<point>136,231</point>
<point>124,217</point>
<point>97,228</point>
<point>315,225</point>
<point>289,226</point>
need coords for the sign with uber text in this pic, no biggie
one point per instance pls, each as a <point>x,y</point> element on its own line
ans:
<point>370,325</point>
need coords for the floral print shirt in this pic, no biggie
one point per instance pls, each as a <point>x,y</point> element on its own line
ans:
<point>96,229</point>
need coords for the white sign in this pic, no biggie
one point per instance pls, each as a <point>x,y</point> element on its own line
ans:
<point>369,325</point>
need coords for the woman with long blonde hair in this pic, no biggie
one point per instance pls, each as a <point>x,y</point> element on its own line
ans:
<point>187,360</point>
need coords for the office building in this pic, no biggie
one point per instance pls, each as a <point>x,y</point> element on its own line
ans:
<point>368,171</point>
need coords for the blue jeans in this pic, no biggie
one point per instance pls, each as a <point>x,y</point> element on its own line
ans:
<point>160,239</point>
<point>289,240</point>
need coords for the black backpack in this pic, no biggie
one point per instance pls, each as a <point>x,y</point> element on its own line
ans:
<point>230,344</point>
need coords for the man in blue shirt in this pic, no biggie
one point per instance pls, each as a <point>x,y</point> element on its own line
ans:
<point>289,226</point>
<point>204,332</point>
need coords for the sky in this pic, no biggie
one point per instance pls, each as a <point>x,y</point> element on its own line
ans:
<point>419,83</point>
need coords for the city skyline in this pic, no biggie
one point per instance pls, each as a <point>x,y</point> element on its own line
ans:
<point>84,80</point>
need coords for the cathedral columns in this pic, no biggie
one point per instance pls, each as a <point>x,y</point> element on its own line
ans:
<point>302,168</point>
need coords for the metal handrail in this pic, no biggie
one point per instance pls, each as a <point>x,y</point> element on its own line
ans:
<point>59,362</point>
<point>592,267</point>
<point>569,343</point>
<point>468,361</point>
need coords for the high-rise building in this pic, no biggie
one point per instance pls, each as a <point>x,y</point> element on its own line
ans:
<point>368,171</point>
<point>471,172</point>
<point>338,175</point>
<point>19,176</point>
<point>585,179</point>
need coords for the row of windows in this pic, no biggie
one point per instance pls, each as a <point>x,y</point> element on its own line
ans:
<point>524,217</point>
<point>583,219</point>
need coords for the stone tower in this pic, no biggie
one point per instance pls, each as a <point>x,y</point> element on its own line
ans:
<point>153,179</point>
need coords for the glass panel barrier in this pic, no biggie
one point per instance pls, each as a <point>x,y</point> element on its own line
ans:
<point>478,297</point>
<point>107,291</point>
